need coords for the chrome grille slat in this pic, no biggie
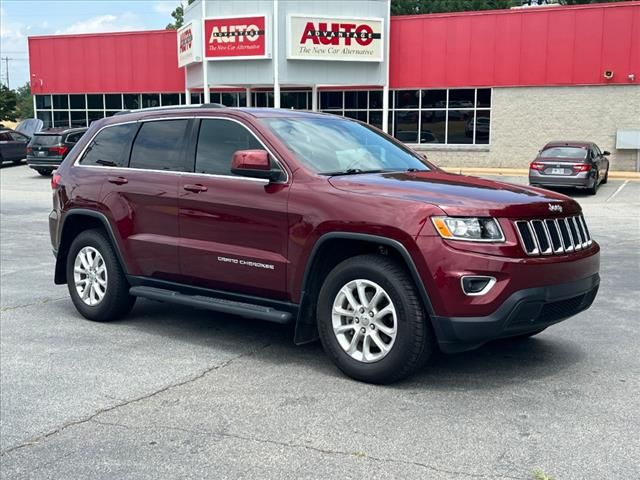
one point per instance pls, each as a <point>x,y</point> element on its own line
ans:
<point>553,236</point>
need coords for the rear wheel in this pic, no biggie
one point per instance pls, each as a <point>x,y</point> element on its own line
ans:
<point>96,282</point>
<point>593,189</point>
<point>17,162</point>
<point>371,320</point>
<point>606,176</point>
<point>45,172</point>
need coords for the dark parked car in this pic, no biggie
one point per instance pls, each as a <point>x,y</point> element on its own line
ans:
<point>315,220</point>
<point>570,164</point>
<point>48,148</point>
<point>13,146</point>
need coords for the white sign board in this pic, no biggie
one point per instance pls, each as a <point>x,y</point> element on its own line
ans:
<point>628,139</point>
<point>189,44</point>
<point>335,38</point>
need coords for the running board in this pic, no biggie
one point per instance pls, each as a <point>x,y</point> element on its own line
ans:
<point>210,303</point>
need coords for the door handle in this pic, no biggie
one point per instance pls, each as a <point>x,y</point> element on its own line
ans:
<point>197,188</point>
<point>117,180</point>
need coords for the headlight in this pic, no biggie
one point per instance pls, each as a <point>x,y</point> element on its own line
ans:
<point>475,229</point>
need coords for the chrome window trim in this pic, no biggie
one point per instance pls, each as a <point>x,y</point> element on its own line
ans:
<point>77,163</point>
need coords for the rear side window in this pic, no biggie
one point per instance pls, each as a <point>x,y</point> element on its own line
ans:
<point>218,140</point>
<point>110,146</point>
<point>74,137</point>
<point>45,140</point>
<point>158,145</point>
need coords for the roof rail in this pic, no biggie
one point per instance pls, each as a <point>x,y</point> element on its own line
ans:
<point>171,107</point>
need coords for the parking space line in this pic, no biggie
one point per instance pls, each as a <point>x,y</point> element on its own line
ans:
<point>617,191</point>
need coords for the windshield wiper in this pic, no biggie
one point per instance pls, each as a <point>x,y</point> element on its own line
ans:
<point>352,171</point>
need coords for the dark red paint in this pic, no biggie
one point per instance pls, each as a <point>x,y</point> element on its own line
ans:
<point>168,230</point>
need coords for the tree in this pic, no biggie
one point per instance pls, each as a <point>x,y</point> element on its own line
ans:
<point>7,104</point>
<point>24,102</point>
<point>178,16</point>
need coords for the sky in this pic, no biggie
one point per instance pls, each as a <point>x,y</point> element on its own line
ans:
<point>20,19</point>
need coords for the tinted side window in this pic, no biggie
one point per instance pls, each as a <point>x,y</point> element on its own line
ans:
<point>110,146</point>
<point>5,137</point>
<point>74,137</point>
<point>17,137</point>
<point>218,140</point>
<point>158,145</point>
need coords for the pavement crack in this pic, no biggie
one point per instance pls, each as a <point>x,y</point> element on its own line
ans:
<point>324,451</point>
<point>90,418</point>
<point>26,305</point>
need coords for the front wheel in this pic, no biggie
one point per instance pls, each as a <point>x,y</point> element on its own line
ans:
<point>371,320</point>
<point>96,282</point>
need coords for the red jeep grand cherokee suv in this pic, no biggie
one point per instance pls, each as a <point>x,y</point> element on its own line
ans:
<point>317,220</point>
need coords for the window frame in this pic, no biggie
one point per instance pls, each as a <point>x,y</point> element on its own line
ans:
<point>183,160</point>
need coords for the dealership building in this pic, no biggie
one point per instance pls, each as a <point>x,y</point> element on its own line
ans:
<point>472,89</point>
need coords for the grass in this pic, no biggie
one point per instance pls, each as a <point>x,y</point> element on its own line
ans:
<point>539,474</point>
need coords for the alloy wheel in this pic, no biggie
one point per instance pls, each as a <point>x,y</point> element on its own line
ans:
<point>364,320</point>
<point>90,276</point>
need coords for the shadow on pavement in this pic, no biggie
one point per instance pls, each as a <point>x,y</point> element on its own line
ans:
<point>493,366</point>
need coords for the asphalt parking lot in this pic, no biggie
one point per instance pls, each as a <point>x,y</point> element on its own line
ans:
<point>172,392</point>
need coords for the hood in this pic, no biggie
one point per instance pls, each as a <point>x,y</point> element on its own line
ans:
<point>459,195</point>
<point>29,126</point>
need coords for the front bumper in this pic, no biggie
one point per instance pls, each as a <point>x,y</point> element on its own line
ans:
<point>524,311</point>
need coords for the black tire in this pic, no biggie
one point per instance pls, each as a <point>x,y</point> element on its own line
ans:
<point>116,302</point>
<point>414,343</point>
<point>17,162</point>
<point>594,189</point>
<point>606,176</point>
<point>45,172</point>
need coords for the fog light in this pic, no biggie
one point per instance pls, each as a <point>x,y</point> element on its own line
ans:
<point>476,285</point>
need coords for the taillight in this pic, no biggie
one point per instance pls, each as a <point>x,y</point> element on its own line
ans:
<point>583,167</point>
<point>59,149</point>
<point>29,150</point>
<point>537,166</point>
<point>55,180</point>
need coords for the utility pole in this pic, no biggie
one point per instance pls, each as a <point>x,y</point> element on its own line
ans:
<point>6,69</point>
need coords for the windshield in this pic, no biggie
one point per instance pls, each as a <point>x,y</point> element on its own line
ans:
<point>334,146</point>
<point>570,153</point>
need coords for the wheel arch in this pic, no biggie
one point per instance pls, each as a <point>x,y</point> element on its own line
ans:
<point>318,267</point>
<point>75,221</point>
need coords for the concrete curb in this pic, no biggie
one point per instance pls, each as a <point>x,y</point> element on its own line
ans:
<point>523,172</point>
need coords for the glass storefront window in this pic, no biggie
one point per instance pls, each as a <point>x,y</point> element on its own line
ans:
<point>406,99</point>
<point>406,126</point>
<point>355,100</point>
<point>460,126</point>
<point>43,102</point>
<point>94,115</point>
<point>434,99</point>
<point>433,126</point>
<point>95,102</point>
<point>296,100</point>
<point>331,100</point>
<point>170,99</point>
<point>483,126</point>
<point>61,118</point>
<point>131,101</point>
<point>61,102</point>
<point>45,116</point>
<point>461,98</point>
<point>356,114</point>
<point>77,102</point>
<point>484,97</point>
<point>113,101</point>
<point>150,100</point>
<point>375,99</point>
<point>79,119</point>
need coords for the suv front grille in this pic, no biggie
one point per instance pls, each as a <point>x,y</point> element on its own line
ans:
<point>553,236</point>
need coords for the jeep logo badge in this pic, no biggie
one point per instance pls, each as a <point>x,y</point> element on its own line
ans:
<point>555,207</point>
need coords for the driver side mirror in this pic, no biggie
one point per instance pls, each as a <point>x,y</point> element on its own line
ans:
<point>254,164</point>
<point>606,153</point>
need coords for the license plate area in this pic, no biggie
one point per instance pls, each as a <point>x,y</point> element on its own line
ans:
<point>557,171</point>
<point>42,153</point>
